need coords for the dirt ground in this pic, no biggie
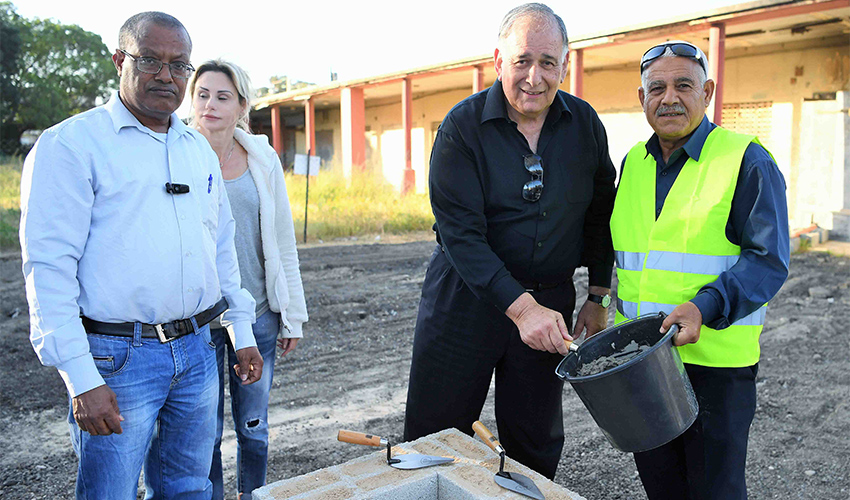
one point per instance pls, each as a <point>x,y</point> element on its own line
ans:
<point>351,371</point>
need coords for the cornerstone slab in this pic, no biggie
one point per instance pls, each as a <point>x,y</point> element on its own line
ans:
<point>469,477</point>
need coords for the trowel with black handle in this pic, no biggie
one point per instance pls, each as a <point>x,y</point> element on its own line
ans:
<point>509,480</point>
<point>399,461</point>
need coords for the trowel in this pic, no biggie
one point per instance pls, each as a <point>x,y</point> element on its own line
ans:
<point>509,480</point>
<point>399,461</point>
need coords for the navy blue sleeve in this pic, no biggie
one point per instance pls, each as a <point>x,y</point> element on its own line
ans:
<point>758,223</point>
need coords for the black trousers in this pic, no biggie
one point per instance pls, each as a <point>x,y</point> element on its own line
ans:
<point>459,342</point>
<point>708,460</point>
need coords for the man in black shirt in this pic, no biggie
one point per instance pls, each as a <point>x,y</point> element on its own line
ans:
<point>522,189</point>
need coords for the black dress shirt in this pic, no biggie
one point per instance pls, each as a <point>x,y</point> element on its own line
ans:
<point>491,235</point>
<point>758,223</point>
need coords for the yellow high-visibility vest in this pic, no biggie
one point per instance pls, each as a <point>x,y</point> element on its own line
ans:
<point>663,263</point>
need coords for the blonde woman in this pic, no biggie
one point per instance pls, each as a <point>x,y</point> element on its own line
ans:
<point>268,260</point>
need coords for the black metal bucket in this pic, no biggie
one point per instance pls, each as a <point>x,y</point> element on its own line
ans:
<point>644,403</point>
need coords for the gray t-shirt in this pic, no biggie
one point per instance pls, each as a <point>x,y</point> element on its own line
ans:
<point>245,205</point>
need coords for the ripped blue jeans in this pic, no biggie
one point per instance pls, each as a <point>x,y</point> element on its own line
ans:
<point>249,405</point>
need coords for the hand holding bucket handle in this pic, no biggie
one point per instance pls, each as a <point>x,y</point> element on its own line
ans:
<point>688,318</point>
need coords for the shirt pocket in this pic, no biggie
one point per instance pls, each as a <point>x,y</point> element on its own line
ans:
<point>208,200</point>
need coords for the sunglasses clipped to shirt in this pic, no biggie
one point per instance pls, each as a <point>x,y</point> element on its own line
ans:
<point>681,49</point>
<point>532,189</point>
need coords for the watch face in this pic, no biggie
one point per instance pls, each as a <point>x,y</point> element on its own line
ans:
<point>606,300</point>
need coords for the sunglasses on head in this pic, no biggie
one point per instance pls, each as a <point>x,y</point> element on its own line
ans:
<point>681,49</point>
<point>532,189</point>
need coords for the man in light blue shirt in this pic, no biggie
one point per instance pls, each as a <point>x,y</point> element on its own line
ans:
<point>128,253</point>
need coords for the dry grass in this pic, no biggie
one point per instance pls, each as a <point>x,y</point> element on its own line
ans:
<point>362,205</point>
<point>10,201</point>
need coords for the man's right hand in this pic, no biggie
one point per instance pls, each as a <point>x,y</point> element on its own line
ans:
<point>250,366</point>
<point>96,412</point>
<point>539,327</point>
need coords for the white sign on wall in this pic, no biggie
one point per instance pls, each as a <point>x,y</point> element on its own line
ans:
<point>301,164</point>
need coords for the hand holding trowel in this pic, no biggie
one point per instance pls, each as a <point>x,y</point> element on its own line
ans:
<point>399,461</point>
<point>509,480</point>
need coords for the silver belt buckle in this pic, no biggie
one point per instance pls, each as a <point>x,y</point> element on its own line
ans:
<point>160,333</point>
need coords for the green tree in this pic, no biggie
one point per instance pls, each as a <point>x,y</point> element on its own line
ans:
<point>62,70</point>
<point>10,62</point>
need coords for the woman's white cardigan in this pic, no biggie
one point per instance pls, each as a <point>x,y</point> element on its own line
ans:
<point>277,231</point>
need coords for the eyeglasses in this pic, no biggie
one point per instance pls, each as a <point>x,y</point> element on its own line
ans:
<point>682,49</point>
<point>532,189</point>
<point>153,66</point>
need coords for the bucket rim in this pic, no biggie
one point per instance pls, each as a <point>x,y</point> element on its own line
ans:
<point>596,376</point>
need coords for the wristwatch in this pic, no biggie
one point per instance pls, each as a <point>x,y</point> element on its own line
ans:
<point>602,300</point>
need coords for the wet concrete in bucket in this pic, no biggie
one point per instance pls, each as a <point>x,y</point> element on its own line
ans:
<point>602,363</point>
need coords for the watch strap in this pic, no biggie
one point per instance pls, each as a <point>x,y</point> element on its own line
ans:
<point>599,299</point>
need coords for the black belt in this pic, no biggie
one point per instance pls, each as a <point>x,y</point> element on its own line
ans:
<point>165,332</point>
<point>531,286</point>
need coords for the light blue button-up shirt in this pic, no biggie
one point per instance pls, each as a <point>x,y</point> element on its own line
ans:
<point>100,236</point>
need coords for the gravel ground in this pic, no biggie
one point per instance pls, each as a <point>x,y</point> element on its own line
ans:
<point>351,370</point>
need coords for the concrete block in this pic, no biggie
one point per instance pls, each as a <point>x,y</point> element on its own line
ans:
<point>464,445</point>
<point>795,244</point>
<point>469,477</point>
<point>423,488</point>
<point>301,484</point>
<point>478,479</point>
<point>841,225</point>
<point>446,488</point>
<point>335,493</point>
<point>813,238</point>
<point>434,448</point>
<point>364,465</point>
<point>389,476</point>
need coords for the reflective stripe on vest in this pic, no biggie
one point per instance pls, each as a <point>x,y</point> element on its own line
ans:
<point>630,261</point>
<point>675,261</point>
<point>630,311</point>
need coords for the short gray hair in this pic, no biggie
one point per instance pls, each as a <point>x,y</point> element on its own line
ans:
<point>238,77</point>
<point>133,28</point>
<point>535,10</point>
<point>668,52</point>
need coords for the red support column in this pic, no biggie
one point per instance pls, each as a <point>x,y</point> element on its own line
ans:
<point>277,131</point>
<point>409,180</point>
<point>477,79</point>
<point>353,130</point>
<point>717,60</point>
<point>310,125</point>
<point>577,72</point>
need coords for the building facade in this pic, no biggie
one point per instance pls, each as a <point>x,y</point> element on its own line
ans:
<point>782,70</point>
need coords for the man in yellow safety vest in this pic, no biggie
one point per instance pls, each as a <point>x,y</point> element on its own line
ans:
<point>700,231</point>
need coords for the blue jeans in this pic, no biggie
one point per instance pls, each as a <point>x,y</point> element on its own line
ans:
<point>166,394</point>
<point>249,405</point>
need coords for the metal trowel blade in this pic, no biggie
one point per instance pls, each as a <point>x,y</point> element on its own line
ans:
<point>419,461</point>
<point>519,483</point>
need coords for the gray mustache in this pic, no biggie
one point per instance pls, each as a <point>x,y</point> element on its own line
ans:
<point>676,108</point>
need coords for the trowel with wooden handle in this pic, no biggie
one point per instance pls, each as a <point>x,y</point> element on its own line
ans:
<point>509,480</point>
<point>399,461</point>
